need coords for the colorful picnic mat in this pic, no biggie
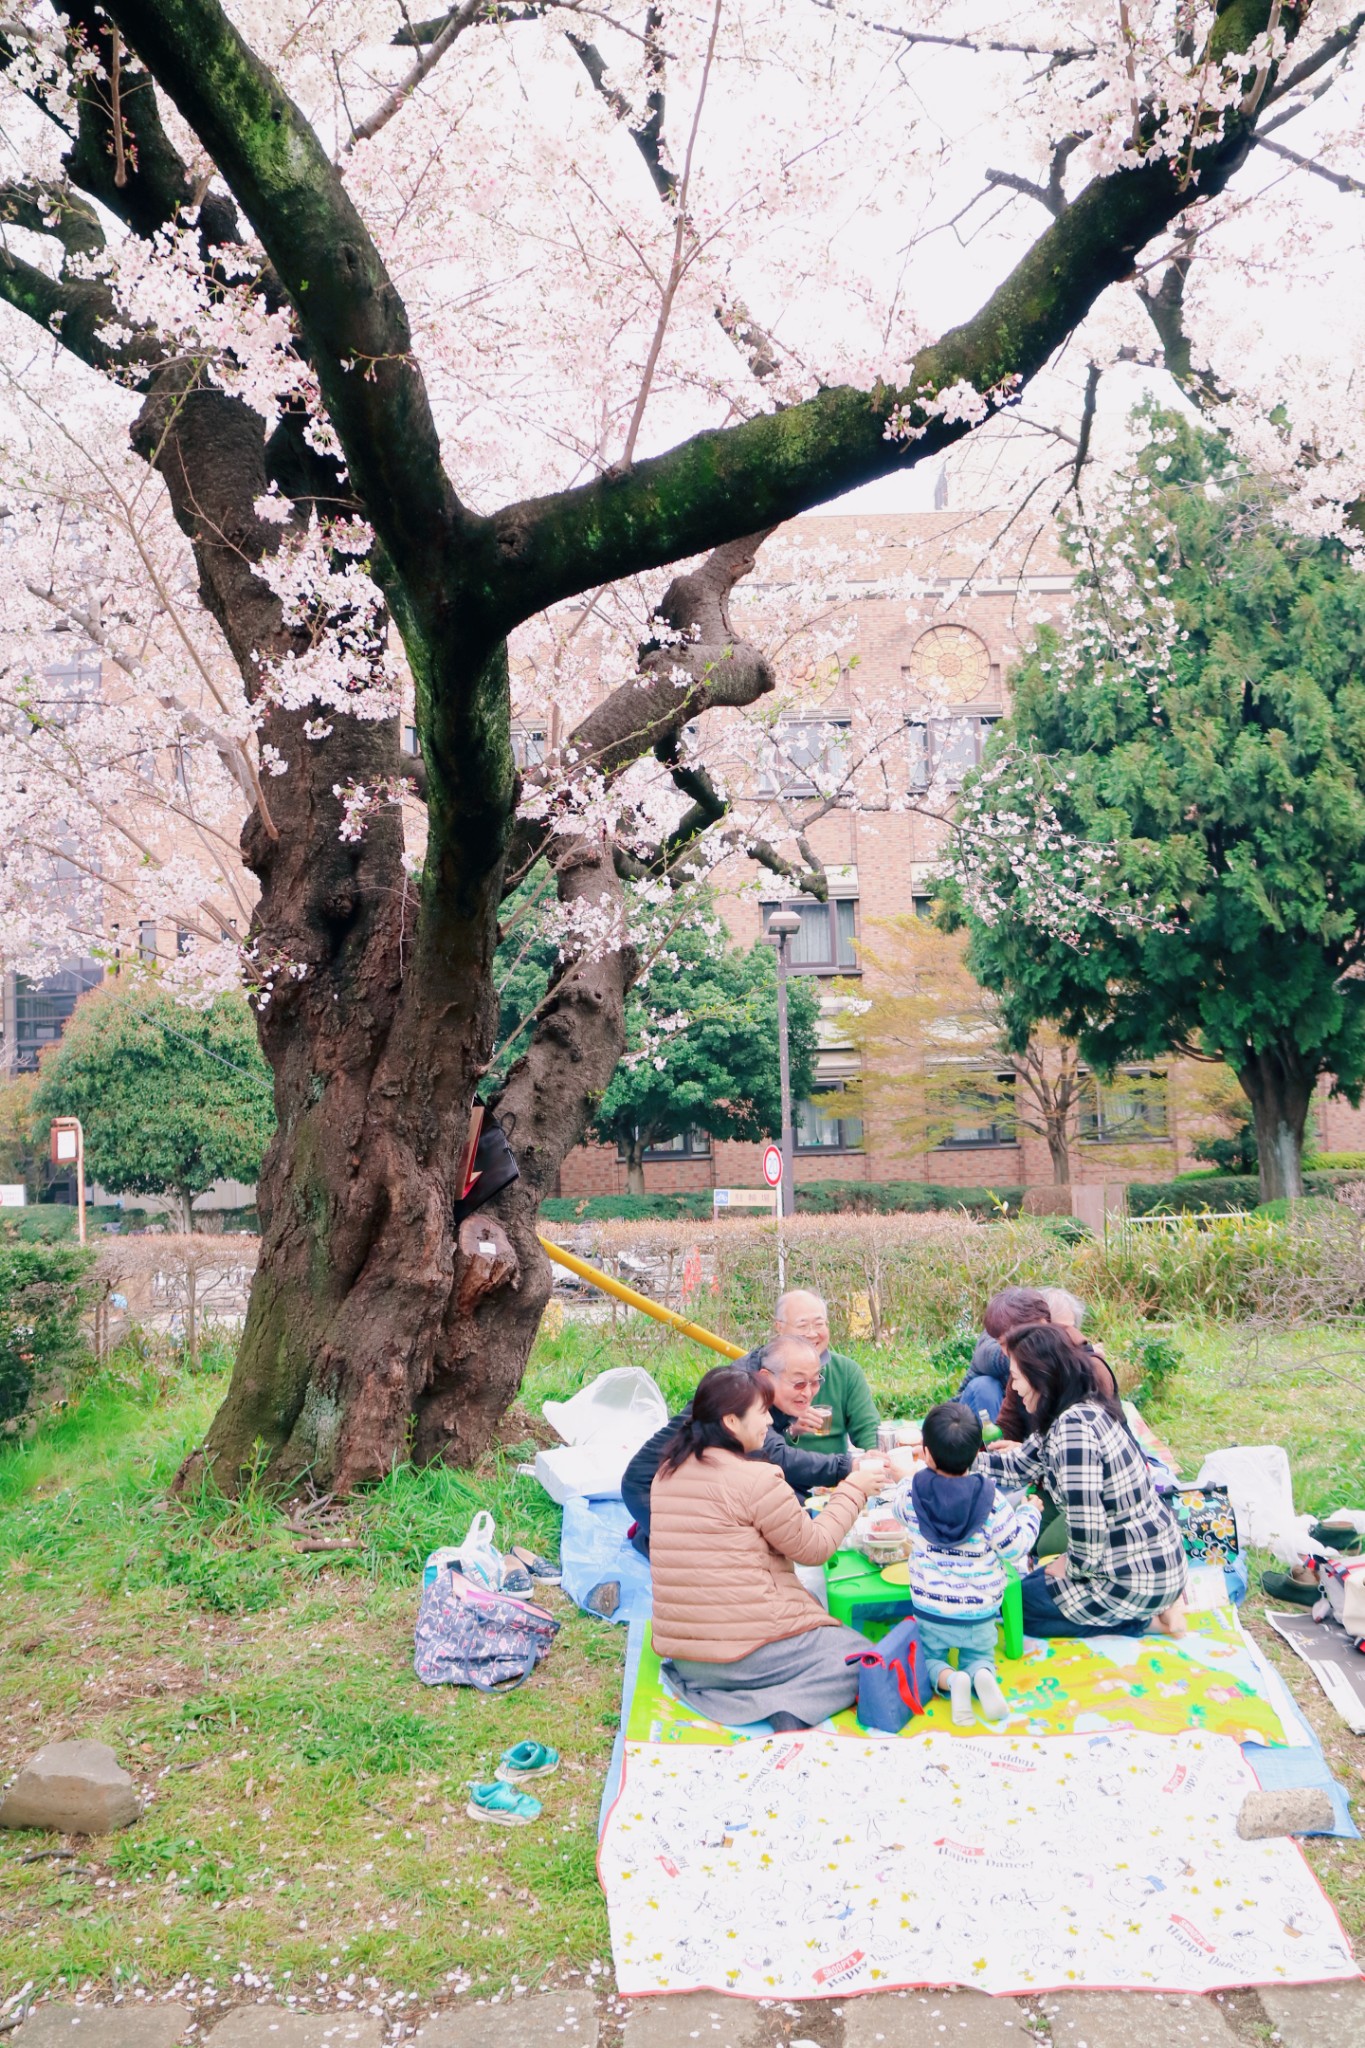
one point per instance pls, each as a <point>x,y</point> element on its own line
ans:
<point>811,1865</point>
<point>1212,1681</point>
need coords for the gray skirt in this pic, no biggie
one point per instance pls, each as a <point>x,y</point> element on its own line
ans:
<point>804,1676</point>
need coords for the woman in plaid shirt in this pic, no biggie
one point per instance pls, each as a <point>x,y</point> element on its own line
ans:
<point>1124,1564</point>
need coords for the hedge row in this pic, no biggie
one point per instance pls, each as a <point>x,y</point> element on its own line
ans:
<point>813,1198</point>
<point>1220,1193</point>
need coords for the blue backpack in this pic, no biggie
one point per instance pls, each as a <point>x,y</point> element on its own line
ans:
<point>889,1679</point>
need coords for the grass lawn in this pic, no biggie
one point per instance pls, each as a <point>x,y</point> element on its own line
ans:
<point>307,1827</point>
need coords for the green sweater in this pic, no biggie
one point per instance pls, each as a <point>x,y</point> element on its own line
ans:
<point>854,1421</point>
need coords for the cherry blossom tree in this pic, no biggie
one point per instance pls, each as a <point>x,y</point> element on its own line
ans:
<point>352,354</point>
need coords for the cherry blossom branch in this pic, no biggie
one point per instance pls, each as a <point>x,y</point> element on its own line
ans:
<point>49,206</point>
<point>977,44</point>
<point>1342,182</point>
<point>682,236</point>
<point>352,317</point>
<point>768,469</point>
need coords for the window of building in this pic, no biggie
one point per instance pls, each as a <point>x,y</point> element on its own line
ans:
<point>921,906</point>
<point>944,750</point>
<point>811,756</point>
<point>949,664</point>
<point>528,746</point>
<point>687,1145</point>
<point>825,943</point>
<point>410,742</point>
<point>146,941</point>
<point>183,940</point>
<point>820,1124</point>
<point>69,685</point>
<point>1128,1109</point>
<point>41,1009</point>
<point>989,1121</point>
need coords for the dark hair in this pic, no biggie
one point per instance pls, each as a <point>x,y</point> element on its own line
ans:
<point>952,1436</point>
<point>1012,1307</point>
<point>725,1390</point>
<point>1059,1372</point>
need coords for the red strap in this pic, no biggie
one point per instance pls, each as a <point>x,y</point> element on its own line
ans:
<point>908,1692</point>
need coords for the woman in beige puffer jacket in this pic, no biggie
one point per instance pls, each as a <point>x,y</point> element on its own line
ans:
<point>744,1640</point>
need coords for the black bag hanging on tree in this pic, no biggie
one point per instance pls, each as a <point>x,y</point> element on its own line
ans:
<point>489,1165</point>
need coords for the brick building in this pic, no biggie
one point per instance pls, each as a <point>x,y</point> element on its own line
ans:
<point>943,608</point>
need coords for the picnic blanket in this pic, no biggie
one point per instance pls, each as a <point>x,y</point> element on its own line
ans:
<point>1214,1680</point>
<point>815,1865</point>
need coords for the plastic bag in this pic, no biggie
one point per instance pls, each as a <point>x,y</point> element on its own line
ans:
<point>478,1557</point>
<point>621,1406</point>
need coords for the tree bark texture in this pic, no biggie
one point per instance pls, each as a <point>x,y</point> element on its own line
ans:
<point>1279,1086</point>
<point>376,1328</point>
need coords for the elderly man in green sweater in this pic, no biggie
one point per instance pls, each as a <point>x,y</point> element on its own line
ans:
<point>852,1423</point>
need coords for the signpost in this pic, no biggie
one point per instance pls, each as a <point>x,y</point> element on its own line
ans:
<point>68,1149</point>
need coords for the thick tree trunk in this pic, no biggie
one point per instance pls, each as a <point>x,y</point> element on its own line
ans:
<point>376,1330</point>
<point>635,1165</point>
<point>1060,1151</point>
<point>1279,1086</point>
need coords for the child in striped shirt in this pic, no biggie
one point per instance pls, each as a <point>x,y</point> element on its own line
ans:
<point>960,1529</point>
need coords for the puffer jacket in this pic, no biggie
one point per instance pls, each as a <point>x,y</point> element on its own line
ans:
<point>724,1534</point>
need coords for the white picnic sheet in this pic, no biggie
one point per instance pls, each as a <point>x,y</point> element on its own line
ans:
<point>813,1865</point>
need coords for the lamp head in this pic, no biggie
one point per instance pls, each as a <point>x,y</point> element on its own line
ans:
<point>784,924</point>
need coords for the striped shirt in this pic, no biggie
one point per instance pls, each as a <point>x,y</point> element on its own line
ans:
<point>965,1581</point>
<point>1125,1559</point>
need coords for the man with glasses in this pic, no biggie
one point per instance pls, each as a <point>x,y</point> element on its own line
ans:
<point>839,1414</point>
<point>793,1365</point>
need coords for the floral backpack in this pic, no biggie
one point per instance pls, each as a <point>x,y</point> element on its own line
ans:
<point>467,1635</point>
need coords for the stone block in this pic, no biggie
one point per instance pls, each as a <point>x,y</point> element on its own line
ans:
<point>102,2026</point>
<point>543,2019</point>
<point>1316,2015</point>
<point>1136,2019</point>
<point>1293,1812</point>
<point>704,2019</point>
<point>934,2019</point>
<point>275,2026</point>
<point>74,1788</point>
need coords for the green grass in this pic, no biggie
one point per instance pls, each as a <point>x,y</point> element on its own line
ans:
<point>308,1810</point>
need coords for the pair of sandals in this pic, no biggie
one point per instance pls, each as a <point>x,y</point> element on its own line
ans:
<point>500,1800</point>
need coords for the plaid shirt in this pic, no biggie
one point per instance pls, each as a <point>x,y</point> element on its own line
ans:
<point>1125,1558</point>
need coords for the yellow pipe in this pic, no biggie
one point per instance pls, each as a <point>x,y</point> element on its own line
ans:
<point>640,1301</point>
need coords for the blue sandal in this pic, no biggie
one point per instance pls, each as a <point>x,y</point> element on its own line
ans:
<point>526,1760</point>
<point>501,1804</point>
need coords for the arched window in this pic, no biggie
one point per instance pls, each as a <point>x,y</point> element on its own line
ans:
<point>950,665</point>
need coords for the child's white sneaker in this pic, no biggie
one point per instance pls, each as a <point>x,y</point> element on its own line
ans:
<point>989,1693</point>
<point>958,1686</point>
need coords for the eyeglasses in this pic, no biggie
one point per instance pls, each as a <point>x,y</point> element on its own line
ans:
<point>796,1385</point>
<point>809,1326</point>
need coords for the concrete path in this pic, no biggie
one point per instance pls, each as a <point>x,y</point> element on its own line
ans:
<point>1314,2016</point>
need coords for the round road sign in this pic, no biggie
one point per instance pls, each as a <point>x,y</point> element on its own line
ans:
<point>772,1165</point>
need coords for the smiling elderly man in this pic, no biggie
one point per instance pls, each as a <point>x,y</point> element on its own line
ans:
<point>793,1366</point>
<point>852,1422</point>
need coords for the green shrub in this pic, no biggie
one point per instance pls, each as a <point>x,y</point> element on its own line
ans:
<point>1221,1194</point>
<point>44,1291</point>
<point>813,1198</point>
<point>900,1198</point>
<point>1225,1193</point>
<point>1349,1162</point>
<point>1285,1210</point>
<point>694,1203</point>
<point>1066,1229</point>
<point>1158,1361</point>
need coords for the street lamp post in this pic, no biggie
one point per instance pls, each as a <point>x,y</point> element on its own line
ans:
<point>783,926</point>
<point>68,1149</point>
